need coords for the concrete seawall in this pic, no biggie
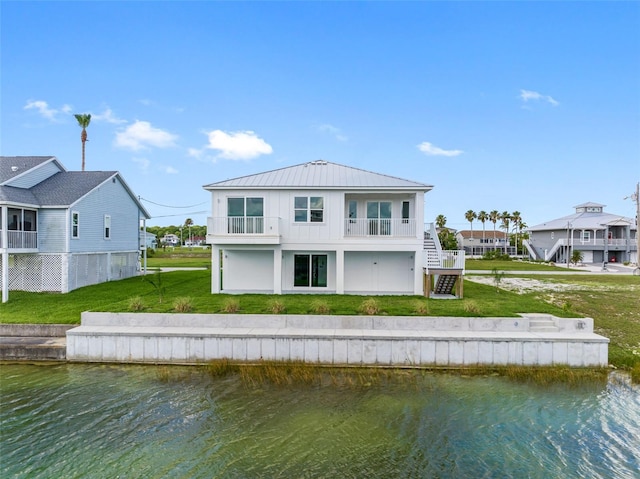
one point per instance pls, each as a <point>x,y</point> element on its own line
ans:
<point>33,342</point>
<point>532,339</point>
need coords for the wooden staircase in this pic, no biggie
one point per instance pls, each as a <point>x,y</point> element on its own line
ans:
<point>445,284</point>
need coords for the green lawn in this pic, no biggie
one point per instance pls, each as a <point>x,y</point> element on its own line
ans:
<point>513,265</point>
<point>611,300</point>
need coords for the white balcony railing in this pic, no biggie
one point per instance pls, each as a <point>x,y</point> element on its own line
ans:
<point>243,226</point>
<point>446,259</point>
<point>20,239</point>
<point>392,227</point>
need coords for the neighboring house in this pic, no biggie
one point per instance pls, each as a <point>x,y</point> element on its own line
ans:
<point>600,236</point>
<point>60,230</point>
<point>170,239</point>
<point>148,240</point>
<point>473,243</point>
<point>320,227</point>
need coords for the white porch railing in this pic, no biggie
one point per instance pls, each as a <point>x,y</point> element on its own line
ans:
<point>20,239</point>
<point>392,227</point>
<point>445,259</point>
<point>243,226</point>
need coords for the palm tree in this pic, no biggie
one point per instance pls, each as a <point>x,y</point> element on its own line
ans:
<point>83,121</point>
<point>187,224</point>
<point>441,220</point>
<point>516,217</point>
<point>505,217</point>
<point>471,215</point>
<point>493,217</point>
<point>483,217</point>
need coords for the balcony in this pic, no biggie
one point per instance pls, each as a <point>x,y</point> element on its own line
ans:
<point>243,230</point>
<point>380,227</point>
<point>20,240</point>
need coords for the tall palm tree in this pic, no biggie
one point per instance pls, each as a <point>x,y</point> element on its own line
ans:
<point>441,220</point>
<point>483,217</point>
<point>187,224</point>
<point>505,217</point>
<point>471,215</point>
<point>516,217</point>
<point>83,121</point>
<point>493,217</point>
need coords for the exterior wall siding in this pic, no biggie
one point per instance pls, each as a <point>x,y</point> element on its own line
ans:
<point>35,176</point>
<point>112,199</point>
<point>52,230</point>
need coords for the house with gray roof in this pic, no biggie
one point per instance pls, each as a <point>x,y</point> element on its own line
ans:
<point>61,230</point>
<point>321,227</point>
<point>600,236</point>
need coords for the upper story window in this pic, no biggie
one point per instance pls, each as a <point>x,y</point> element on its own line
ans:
<point>75,224</point>
<point>586,236</point>
<point>107,226</point>
<point>309,209</point>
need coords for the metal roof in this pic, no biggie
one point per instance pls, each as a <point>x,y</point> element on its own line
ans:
<point>319,175</point>
<point>587,221</point>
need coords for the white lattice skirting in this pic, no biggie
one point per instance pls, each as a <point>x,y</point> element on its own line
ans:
<point>66,272</point>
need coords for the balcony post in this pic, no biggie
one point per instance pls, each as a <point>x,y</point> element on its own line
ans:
<point>4,246</point>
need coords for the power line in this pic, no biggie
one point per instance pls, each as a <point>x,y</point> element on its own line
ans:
<point>168,206</point>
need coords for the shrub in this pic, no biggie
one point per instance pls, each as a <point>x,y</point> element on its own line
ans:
<point>319,306</point>
<point>231,305</point>
<point>497,277</point>
<point>369,306</point>
<point>471,307</point>
<point>136,304</point>
<point>276,306</point>
<point>183,305</point>
<point>496,255</point>
<point>421,307</point>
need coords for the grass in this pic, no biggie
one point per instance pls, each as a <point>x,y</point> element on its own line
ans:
<point>179,258</point>
<point>514,265</point>
<point>116,296</point>
<point>611,300</point>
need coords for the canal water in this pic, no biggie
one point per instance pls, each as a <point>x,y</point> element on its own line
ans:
<point>114,421</point>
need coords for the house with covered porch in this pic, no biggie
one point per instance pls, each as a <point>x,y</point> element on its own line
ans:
<point>600,236</point>
<point>322,227</point>
<point>61,230</point>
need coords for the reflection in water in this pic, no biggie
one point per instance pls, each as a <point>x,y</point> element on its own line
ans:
<point>98,421</point>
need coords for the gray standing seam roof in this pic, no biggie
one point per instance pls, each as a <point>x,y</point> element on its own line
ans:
<point>321,175</point>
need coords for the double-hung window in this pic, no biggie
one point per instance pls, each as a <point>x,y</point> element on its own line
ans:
<point>308,209</point>
<point>75,224</point>
<point>107,226</point>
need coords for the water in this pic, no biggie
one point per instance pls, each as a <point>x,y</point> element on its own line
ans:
<point>97,421</point>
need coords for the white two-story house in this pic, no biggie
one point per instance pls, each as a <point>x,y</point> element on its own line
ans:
<point>60,230</point>
<point>318,227</point>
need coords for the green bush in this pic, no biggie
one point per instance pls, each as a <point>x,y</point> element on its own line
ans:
<point>319,306</point>
<point>136,304</point>
<point>496,255</point>
<point>369,306</point>
<point>183,305</point>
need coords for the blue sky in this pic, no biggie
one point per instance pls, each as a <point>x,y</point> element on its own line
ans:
<point>528,106</point>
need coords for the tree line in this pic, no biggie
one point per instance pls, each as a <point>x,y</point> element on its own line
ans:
<point>188,228</point>
<point>512,224</point>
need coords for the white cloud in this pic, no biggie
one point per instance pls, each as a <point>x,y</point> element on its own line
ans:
<point>170,170</point>
<point>432,150</point>
<point>332,130</point>
<point>43,109</point>
<point>142,135</point>
<point>143,163</point>
<point>238,145</point>
<point>108,116</point>
<point>529,95</point>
